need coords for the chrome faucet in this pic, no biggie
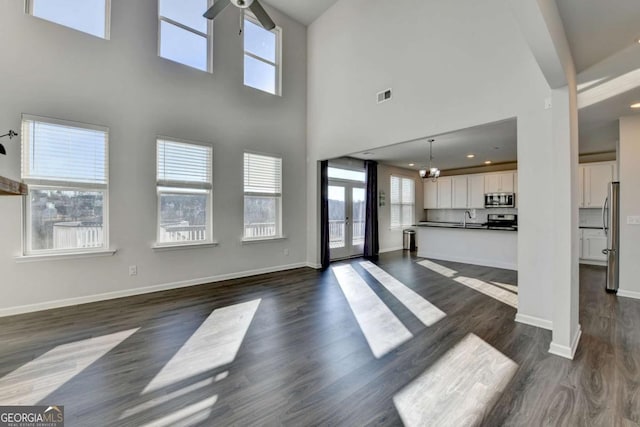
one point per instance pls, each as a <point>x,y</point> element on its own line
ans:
<point>464,217</point>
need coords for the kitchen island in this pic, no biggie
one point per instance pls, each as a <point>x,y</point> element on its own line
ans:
<point>474,244</point>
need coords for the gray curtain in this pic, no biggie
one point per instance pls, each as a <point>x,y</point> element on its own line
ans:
<point>371,243</point>
<point>325,254</point>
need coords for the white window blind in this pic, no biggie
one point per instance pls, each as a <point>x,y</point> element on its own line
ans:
<point>402,201</point>
<point>184,165</point>
<point>63,153</point>
<point>262,174</point>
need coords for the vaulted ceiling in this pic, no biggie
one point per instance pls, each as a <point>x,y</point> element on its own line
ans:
<point>303,11</point>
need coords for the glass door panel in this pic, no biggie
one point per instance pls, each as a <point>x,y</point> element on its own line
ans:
<point>337,221</point>
<point>358,215</point>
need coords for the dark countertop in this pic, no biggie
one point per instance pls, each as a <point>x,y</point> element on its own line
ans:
<point>470,226</point>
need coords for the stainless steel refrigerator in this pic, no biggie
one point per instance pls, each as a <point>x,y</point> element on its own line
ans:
<point>611,227</point>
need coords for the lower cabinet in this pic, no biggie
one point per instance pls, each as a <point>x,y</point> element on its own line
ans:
<point>593,242</point>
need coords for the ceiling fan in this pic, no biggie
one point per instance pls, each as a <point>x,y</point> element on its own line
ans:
<point>252,5</point>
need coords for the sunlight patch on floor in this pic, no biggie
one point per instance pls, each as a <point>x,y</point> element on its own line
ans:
<point>426,312</point>
<point>42,376</point>
<point>459,388</point>
<point>512,288</point>
<point>214,344</point>
<point>440,269</point>
<point>381,328</point>
<point>191,415</point>
<point>489,290</point>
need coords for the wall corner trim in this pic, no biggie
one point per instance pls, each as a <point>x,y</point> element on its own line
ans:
<point>538,322</point>
<point>563,350</point>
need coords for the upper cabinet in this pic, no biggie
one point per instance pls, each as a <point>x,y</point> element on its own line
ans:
<point>430,194</point>
<point>501,182</point>
<point>593,183</point>
<point>460,192</point>
<point>475,191</point>
<point>466,191</point>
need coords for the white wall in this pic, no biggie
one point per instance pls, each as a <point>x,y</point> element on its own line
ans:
<point>629,173</point>
<point>391,238</point>
<point>451,65</point>
<point>54,71</point>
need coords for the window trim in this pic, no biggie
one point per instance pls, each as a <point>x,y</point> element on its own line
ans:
<point>413,214</point>
<point>278,64</point>
<point>28,9</point>
<point>36,183</point>
<point>180,189</point>
<point>208,37</point>
<point>279,210</point>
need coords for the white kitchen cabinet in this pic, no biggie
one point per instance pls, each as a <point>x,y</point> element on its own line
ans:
<point>593,242</point>
<point>459,187</point>
<point>597,177</point>
<point>430,194</point>
<point>501,182</point>
<point>475,191</point>
<point>445,196</point>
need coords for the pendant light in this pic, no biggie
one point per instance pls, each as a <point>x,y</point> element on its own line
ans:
<point>432,173</point>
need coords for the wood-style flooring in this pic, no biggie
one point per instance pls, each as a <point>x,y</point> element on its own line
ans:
<point>301,348</point>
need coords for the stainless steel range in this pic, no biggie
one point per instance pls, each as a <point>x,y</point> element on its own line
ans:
<point>502,222</point>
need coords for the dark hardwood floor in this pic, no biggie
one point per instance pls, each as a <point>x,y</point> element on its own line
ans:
<point>183,357</point>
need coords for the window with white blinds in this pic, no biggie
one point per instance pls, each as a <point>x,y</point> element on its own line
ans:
<point>262,196</point>
<point>402,204</point>
<point>184,184</point>
<point>65,165</point>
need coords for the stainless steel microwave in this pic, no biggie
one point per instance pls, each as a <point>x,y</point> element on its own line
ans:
<point>500,200</point>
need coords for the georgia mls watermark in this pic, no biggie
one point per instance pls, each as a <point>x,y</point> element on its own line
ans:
<point>31,416</point>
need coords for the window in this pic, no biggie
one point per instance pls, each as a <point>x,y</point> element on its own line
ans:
<point>262,196</point>
<point>184,192</point>
<point>348,174</point>
<point>89,16</point>
<point>65,165</point>
<point>261,56</point>
<point>185,35</point>
<point>403,199</point>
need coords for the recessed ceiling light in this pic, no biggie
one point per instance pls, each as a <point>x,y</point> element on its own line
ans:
<point>412,164</point>
<point>636,105</point>
<point>487,162</point>
<point>470,156</point>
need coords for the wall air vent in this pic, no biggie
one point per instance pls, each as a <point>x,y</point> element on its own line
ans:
<point>383,96</point>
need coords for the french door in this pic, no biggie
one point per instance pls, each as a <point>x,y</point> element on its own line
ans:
<point>346,219</point>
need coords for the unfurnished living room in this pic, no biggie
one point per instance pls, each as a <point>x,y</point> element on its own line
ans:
<point>320,212</point>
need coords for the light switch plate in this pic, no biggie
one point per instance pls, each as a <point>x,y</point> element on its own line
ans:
<point>633,220</point>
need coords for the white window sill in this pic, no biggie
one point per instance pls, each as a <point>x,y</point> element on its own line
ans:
<point>168,247</point>
<point>64,256</point>
<point>264,240</point>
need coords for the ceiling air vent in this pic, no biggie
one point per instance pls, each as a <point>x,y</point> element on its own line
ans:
<point>383,96</point>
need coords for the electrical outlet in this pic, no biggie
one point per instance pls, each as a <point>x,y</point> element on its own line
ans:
<point>133,270</point>
<point>633,220</point>
<point>286,252</point>
<point>548,103</point>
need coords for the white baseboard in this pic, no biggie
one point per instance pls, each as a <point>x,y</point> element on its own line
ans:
<point>11,311</point>
<point>628,294</point>
<point>538,322</point>
<point>313,265</point>
<point>593,262</point>
<point>398,248</point>
<point>563,350</point>
<point>472,261</point>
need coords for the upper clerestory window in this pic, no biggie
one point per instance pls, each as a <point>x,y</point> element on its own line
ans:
<point>89,16</point>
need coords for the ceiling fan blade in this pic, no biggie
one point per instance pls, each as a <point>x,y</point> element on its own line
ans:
<point>2,150</point>
<point>262,16</point>
<point>215,10</point>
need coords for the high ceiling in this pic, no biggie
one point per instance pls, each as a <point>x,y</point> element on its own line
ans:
<point>496,142</point>
<point>303,11</point>
<point>597,29</point>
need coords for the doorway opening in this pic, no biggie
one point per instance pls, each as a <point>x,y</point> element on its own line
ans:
<point>347,208</point>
